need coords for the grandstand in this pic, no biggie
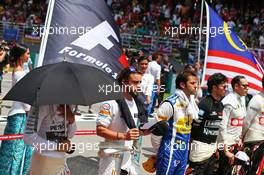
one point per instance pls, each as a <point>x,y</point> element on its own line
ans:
<point>143,22</point>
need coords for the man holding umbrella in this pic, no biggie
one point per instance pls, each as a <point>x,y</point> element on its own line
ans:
<point>45,131</point>
<point>117,124</point>
<point>49,125</point>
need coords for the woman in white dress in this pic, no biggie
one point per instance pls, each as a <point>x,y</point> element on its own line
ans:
<point>14,154</point>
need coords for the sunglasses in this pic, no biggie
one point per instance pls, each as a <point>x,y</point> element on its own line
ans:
<point>223,86</point>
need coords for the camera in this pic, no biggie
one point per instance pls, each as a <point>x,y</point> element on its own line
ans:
<point>4,46</point>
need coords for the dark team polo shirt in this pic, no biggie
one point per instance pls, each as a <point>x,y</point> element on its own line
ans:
<point>206,128</point>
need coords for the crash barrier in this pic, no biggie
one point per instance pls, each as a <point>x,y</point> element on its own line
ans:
<point>20,136</point>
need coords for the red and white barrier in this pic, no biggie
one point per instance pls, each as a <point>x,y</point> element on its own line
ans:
<point>20,136</point>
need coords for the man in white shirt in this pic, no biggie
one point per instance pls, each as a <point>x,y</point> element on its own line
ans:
<point>154,69</point>
<point>234,112</point>
<point>117,123</point>
<point>45,132</point>
<point>147,79</point>
<point>253,129</point>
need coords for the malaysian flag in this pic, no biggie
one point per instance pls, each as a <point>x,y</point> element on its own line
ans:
<point>226,53</point>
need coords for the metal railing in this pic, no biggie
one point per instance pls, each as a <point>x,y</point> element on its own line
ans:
<point>24,33</point>
<point>173,47</point>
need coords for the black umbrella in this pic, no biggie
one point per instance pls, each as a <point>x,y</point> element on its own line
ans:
<point>64,83</point>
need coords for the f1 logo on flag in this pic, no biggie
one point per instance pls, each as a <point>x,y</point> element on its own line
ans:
<point>98,35</point>
<point>100,46</point>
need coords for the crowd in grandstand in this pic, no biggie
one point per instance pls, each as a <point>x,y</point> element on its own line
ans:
<point>21,12</point>
<point>153,17</point>
<point>150,17</point>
